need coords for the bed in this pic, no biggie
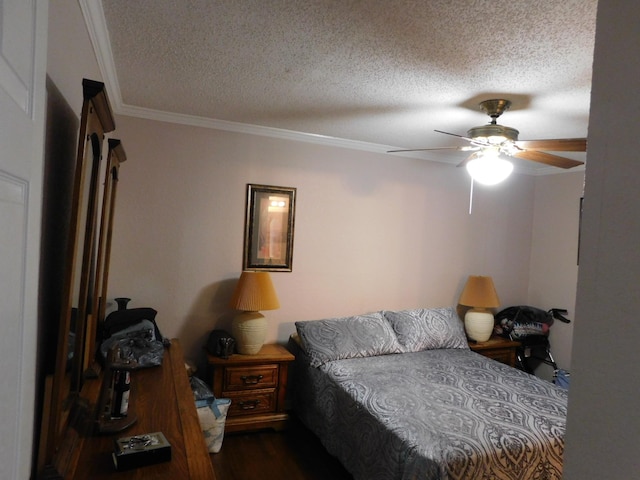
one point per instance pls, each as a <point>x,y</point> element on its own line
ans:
<point>399,395</point>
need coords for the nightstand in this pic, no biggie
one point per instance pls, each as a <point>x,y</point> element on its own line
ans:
<point>256,385</point>
<point>499,348</point>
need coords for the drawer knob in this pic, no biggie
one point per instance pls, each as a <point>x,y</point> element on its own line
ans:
<point>251,379</point>
<point>249,405</point>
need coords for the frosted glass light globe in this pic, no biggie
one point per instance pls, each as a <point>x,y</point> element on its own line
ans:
<point>489,169</point>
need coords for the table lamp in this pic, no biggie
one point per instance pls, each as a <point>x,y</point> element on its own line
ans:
<point>254,292</point>
<point>479,293</point>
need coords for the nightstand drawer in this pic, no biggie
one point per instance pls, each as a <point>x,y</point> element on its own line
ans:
<point>249,378</point>
<point>252,403</point>
<point>498,348</point>
<point>504,356</point>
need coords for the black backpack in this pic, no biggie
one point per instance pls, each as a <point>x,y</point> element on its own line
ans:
<point>524,320</point>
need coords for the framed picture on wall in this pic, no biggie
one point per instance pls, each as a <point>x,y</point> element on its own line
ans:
<point>268,229</point>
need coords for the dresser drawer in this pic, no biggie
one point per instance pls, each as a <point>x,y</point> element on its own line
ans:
<point>251,403</point>
<point>253,377</point>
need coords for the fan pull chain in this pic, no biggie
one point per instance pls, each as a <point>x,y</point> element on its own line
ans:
<point>471,197</point>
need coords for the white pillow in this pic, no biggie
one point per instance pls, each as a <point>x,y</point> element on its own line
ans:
<point>348,337</point>
<point>427,329</point>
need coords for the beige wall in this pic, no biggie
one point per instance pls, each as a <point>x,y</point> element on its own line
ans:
<point>70,56</point>
<point>554,271</point>
<point>372,231</point>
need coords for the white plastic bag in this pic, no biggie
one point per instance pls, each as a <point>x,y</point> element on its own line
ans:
<point>212,414</point>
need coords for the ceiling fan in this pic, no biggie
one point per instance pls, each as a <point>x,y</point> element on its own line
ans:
<point>493,139</point>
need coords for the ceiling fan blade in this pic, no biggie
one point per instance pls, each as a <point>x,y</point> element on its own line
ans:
<point>555,145</point>
<point>455,135</point>
<point>548,159</point>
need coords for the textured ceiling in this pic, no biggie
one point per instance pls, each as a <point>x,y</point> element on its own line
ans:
<point>374,74</point>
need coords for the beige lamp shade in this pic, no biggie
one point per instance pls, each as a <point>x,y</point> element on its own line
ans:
<point>254,292</point>
<point>480,294</point>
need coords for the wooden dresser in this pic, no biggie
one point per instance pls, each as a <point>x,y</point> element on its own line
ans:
<point>162,399</point>
<point>256,385</point>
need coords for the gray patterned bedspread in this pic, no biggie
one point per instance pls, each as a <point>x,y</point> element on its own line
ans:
<point>433,414</point>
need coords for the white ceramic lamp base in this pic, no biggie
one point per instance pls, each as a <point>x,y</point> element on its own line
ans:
<point>249,330</point>
<point>478,325</point>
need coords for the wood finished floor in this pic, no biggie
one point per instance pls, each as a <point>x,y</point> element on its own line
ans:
<point>294,454</point>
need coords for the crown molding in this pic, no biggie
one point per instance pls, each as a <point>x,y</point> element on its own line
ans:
<point>238,127</point>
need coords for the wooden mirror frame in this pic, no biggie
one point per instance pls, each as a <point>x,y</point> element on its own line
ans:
<point>84,276</point>
<point>116,155</point>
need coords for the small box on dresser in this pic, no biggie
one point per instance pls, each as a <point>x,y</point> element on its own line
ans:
<point>256,385</point>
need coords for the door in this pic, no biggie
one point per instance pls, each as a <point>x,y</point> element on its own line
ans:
<point>23,34</point>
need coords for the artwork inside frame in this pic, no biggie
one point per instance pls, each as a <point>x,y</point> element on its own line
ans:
<point>268,229</point>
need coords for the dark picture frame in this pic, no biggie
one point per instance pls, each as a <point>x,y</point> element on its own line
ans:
<point>268,229</point>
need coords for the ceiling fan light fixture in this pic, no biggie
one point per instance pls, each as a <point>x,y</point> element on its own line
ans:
<point>493,134</point>
<point>504,140</point>
<point>488,167</point>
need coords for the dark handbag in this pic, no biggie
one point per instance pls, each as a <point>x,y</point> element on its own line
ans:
<point>220,343</point>
<point>120,319</point>
<point>523,321</point>
<point>136,335</point>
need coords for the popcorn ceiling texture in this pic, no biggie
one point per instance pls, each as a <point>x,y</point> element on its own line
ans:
<point>386,72</point>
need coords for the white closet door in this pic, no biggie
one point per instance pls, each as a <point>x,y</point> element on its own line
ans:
<point>23,35</point>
